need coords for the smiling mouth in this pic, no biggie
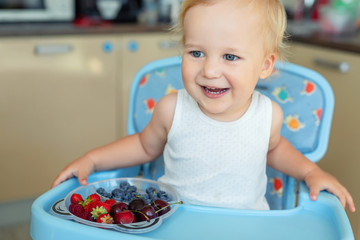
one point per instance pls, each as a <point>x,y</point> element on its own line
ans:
<point>215,91</point>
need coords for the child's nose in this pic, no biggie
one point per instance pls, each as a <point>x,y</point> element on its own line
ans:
<point>211,69</point>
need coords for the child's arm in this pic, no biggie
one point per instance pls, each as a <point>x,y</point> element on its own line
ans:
<point>283,157</point>
<point>128,151</point>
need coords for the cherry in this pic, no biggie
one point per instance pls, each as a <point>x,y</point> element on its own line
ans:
<point>137,204</point>
<point>146,213</point>
<point>160,206</point>
<point>124,217</point>
<point>118,207</point>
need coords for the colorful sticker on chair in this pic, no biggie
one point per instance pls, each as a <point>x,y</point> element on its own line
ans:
<point>317,113</point>
<point>293,122</point>
<point>170,89</point>
<point>309,88</point>
<point>144,80</point>
<point>150,105</point>
<point>282,95</point>
<point>160,72</point>
<point>277,186</point>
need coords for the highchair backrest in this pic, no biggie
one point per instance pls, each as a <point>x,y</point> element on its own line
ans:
<point>305,97</point>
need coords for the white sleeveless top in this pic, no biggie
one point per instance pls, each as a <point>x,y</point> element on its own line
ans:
<point>217,163</point>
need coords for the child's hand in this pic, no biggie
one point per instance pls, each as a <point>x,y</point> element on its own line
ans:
<point>318,180</point>
<point>80,168</point>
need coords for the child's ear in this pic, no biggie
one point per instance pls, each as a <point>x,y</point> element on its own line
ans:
<point>268,66</point>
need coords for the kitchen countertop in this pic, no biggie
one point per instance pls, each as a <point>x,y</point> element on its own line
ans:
<point>299,32</point>
<point>43,29</point>
<point>310,33</point>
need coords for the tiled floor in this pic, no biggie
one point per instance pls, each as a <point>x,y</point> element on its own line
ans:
<point>20,231</point>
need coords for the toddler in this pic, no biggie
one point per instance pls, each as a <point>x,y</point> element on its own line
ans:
<point>218,134</point>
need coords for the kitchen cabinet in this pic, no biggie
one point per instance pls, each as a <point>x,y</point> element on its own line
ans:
<point>57,100</point>
<point>62,96</point>
<point>342,71</point>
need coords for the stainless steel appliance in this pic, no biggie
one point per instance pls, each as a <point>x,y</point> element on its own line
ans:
<point>37,10</point>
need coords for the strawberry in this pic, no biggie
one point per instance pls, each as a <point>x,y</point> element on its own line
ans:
<point>75,198</point>
<point>110,202</point>
<point>105,218</point>
<point>98,211</point>
<point>106,206</point>
<point>90,202</point>
<point>94,197</point>
<point>89,207</point>
<point>76,209</point>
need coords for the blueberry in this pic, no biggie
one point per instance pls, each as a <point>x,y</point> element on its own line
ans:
<point>100,190</point>
<point>150,191</point>
<point>117,193</point>
<point>163,195</point>
<point>146,198</point>
<point>103,192</point>
<point>124,185</point>
<point>132,189</point>
<point>119,199</point>
<point>107,195</point>
<point>127,197</point>
<point>136,195</point>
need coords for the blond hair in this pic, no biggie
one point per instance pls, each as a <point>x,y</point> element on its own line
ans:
<point>274,23</point>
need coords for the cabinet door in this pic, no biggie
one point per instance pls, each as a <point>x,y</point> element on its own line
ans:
<point>138,50</point>
<point>343,154</point>
<point>57,101</point>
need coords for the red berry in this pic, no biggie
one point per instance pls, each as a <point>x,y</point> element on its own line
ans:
<point>87,216</point>
<point>106,206</point>
<point>76,209</point>
<point>105,218</point>
<point>110,202</point>
<point>94,197</point>
<point>98,211</point>
<point>90,206</point>
<point>75,198</point>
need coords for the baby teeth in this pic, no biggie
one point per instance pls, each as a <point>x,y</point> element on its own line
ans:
<point>215,90</point>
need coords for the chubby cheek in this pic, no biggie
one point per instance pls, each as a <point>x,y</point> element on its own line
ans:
<point>241,86</point>
<point>188,73</point>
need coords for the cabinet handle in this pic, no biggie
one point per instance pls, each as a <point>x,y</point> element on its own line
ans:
<point>167,44</point>
<point>341,66</point>
<point>52,49</point>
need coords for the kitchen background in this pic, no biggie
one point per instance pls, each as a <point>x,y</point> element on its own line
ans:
<point>66,68</point>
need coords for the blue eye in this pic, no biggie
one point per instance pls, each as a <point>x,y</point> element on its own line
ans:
<point>197,54</point>
<point>230,57</point>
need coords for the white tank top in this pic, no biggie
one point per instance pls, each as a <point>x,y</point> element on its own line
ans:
<point>217,163</point>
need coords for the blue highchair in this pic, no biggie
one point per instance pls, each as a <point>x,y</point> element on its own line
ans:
<point>307,101</point>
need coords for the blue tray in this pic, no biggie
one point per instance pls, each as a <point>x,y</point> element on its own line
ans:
<point>323,219</point>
